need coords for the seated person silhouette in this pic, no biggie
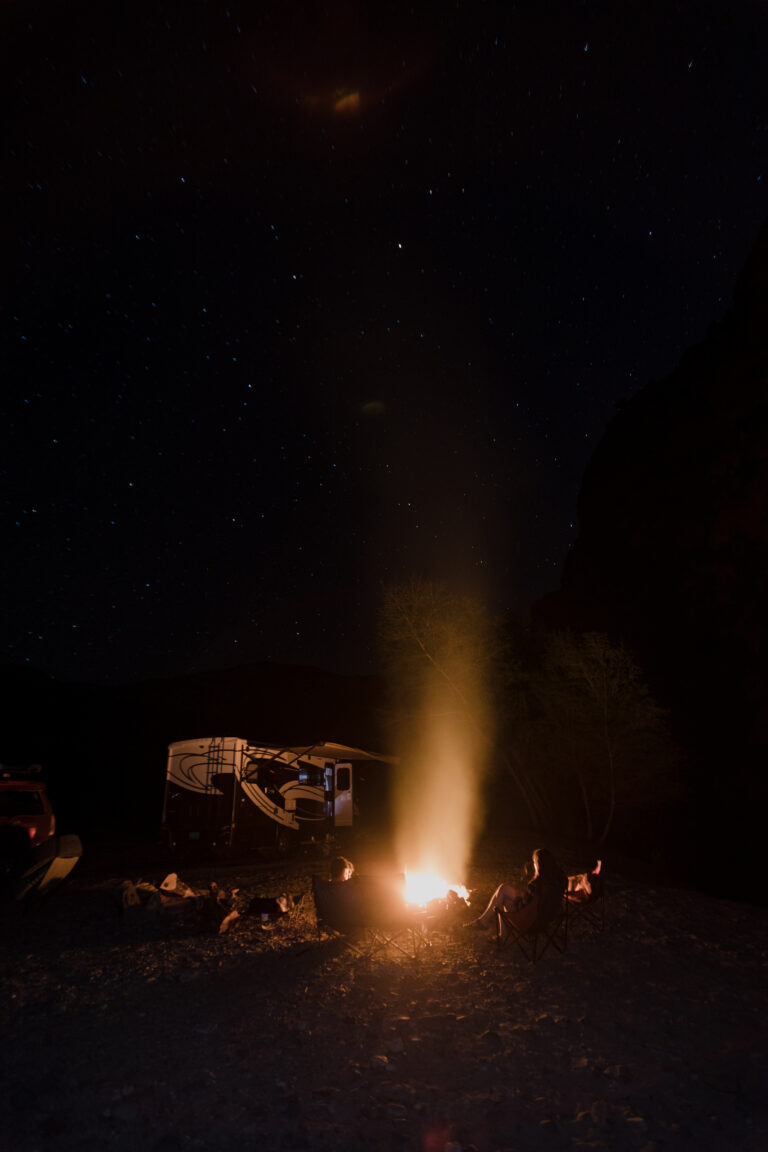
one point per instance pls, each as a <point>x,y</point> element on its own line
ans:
<point>582,886</point>
<point>341,870</point>
<point>521,905</point>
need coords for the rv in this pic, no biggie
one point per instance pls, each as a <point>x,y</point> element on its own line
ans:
<point>222,792</point>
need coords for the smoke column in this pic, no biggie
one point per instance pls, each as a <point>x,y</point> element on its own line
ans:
<point>445,742</point>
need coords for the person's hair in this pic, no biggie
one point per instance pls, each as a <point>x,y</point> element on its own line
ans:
<point>339,867</point>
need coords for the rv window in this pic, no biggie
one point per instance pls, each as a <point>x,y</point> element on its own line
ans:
<point>343,779</point>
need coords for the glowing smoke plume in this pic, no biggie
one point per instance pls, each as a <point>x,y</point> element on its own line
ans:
<point>436,647</point>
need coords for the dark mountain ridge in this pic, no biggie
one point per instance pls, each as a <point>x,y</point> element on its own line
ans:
<point>672,557</point>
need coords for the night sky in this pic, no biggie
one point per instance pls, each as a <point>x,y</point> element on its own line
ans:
<point>306,298</point>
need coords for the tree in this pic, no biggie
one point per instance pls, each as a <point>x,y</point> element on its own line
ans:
<point>595,712</point>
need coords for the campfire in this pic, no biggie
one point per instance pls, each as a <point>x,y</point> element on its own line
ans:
<point>423,887</point>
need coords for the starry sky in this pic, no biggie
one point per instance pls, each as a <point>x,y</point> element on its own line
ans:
<point>307,298</point>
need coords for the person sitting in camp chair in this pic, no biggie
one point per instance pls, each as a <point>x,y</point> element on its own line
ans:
<point>341,870</point>
<point>583,886</point>
<point>586,896</point>
<point>335,897</point>
<point>521,905</point>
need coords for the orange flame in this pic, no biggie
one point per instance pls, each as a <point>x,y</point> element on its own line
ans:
<point>421,887</point>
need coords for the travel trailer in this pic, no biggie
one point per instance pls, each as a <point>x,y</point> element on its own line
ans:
<point>221,791</point>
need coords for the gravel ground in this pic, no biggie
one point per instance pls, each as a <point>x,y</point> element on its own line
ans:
<point>150,1031</point>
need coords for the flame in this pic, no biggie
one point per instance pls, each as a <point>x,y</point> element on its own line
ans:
<point>421,887</point>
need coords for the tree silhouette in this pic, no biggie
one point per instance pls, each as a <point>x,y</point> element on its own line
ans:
<point>595,714</point>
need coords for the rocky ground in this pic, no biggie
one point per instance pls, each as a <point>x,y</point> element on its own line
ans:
<point>151,1031</point>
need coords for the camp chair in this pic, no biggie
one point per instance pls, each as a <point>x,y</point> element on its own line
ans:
<point>549,925</point>
<point>30,874</point>
<point>589,904</point>
<point>369,914</point>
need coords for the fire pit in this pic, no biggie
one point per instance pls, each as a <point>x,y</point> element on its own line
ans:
<point>375,912</point>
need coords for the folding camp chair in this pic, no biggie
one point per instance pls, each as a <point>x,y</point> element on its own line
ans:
<point>370,915</point>
<point>548,927</point>
<point>30,874</point>
<point>587,903</point>
<point>328,914</point>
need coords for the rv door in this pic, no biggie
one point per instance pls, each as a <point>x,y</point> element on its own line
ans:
<point>342,796</point>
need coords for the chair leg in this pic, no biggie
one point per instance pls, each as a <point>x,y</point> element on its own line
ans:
<point>506,933</point>
<point>592,912</point>
<point>414,939</point>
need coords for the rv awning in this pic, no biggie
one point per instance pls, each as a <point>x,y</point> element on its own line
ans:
<point>334,752</point>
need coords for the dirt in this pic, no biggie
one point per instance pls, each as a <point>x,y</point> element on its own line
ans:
<point>147,1030</point>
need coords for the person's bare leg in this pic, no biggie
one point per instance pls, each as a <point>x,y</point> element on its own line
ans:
<point>505,896</point>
